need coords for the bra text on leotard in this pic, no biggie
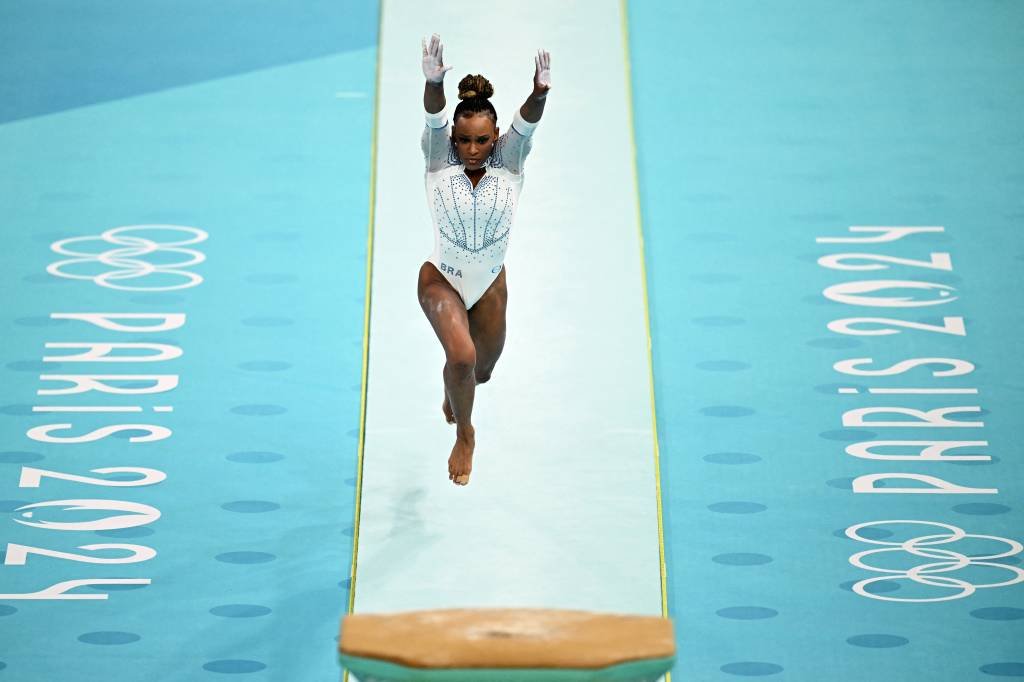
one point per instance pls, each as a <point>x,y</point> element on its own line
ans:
<point>450,270</point>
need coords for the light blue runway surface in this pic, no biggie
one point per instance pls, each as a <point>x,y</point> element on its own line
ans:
<point>764,133</point>
<point>558,479</point>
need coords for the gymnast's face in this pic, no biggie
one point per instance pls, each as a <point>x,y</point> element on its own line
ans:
<point>473,137</point>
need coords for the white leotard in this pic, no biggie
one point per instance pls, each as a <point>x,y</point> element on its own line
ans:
<point>471,225</point>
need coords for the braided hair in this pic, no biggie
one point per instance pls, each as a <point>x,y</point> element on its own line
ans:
<point>475,92</point>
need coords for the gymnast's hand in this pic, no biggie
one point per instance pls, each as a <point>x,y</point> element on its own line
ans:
<point>542,76</point>
<point>433,60</point>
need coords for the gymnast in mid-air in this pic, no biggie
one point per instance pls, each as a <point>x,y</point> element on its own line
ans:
<point>473,180</point>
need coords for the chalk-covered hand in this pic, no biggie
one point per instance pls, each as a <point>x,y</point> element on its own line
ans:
<point>433,60</point>
<point>542,76</point>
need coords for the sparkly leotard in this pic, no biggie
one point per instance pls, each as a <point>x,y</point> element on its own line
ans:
<point>472,224</point>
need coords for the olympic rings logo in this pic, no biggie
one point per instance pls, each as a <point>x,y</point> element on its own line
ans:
<point>926,574</point>
<point>126,258</point>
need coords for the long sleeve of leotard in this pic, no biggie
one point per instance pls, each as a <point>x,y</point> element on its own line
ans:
<point>436,141</point>
<point>515,143</point>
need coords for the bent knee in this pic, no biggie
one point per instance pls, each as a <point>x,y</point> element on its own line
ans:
<point>483,378</point>
<point>462,358</point>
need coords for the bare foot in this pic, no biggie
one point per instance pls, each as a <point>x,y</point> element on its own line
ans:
<point>460,464</point>
<point>449,416</point>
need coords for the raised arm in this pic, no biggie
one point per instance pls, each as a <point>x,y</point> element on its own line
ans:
<point>434,71</point>
<point>433,97</point>
<point>436,140</point>
<point>533,107</point>
<point>514,144</point>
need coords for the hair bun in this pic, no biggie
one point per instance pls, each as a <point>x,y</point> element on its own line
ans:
<point>475,86</point>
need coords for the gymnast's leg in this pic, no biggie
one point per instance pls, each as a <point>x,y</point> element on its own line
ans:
<point>447,314</point>
<point>487,327</point>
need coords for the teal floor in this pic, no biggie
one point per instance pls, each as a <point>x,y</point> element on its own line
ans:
<point>759,130</point>
<point>252,124</point>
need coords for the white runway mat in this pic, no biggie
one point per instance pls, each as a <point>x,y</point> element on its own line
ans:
<point>561,510</point>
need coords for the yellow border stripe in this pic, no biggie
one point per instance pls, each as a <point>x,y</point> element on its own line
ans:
<point>647,314</point>
<point>366,322</point>
<point>366,318</point>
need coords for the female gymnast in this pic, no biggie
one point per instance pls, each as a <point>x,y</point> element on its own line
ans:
<point>473,180</point>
